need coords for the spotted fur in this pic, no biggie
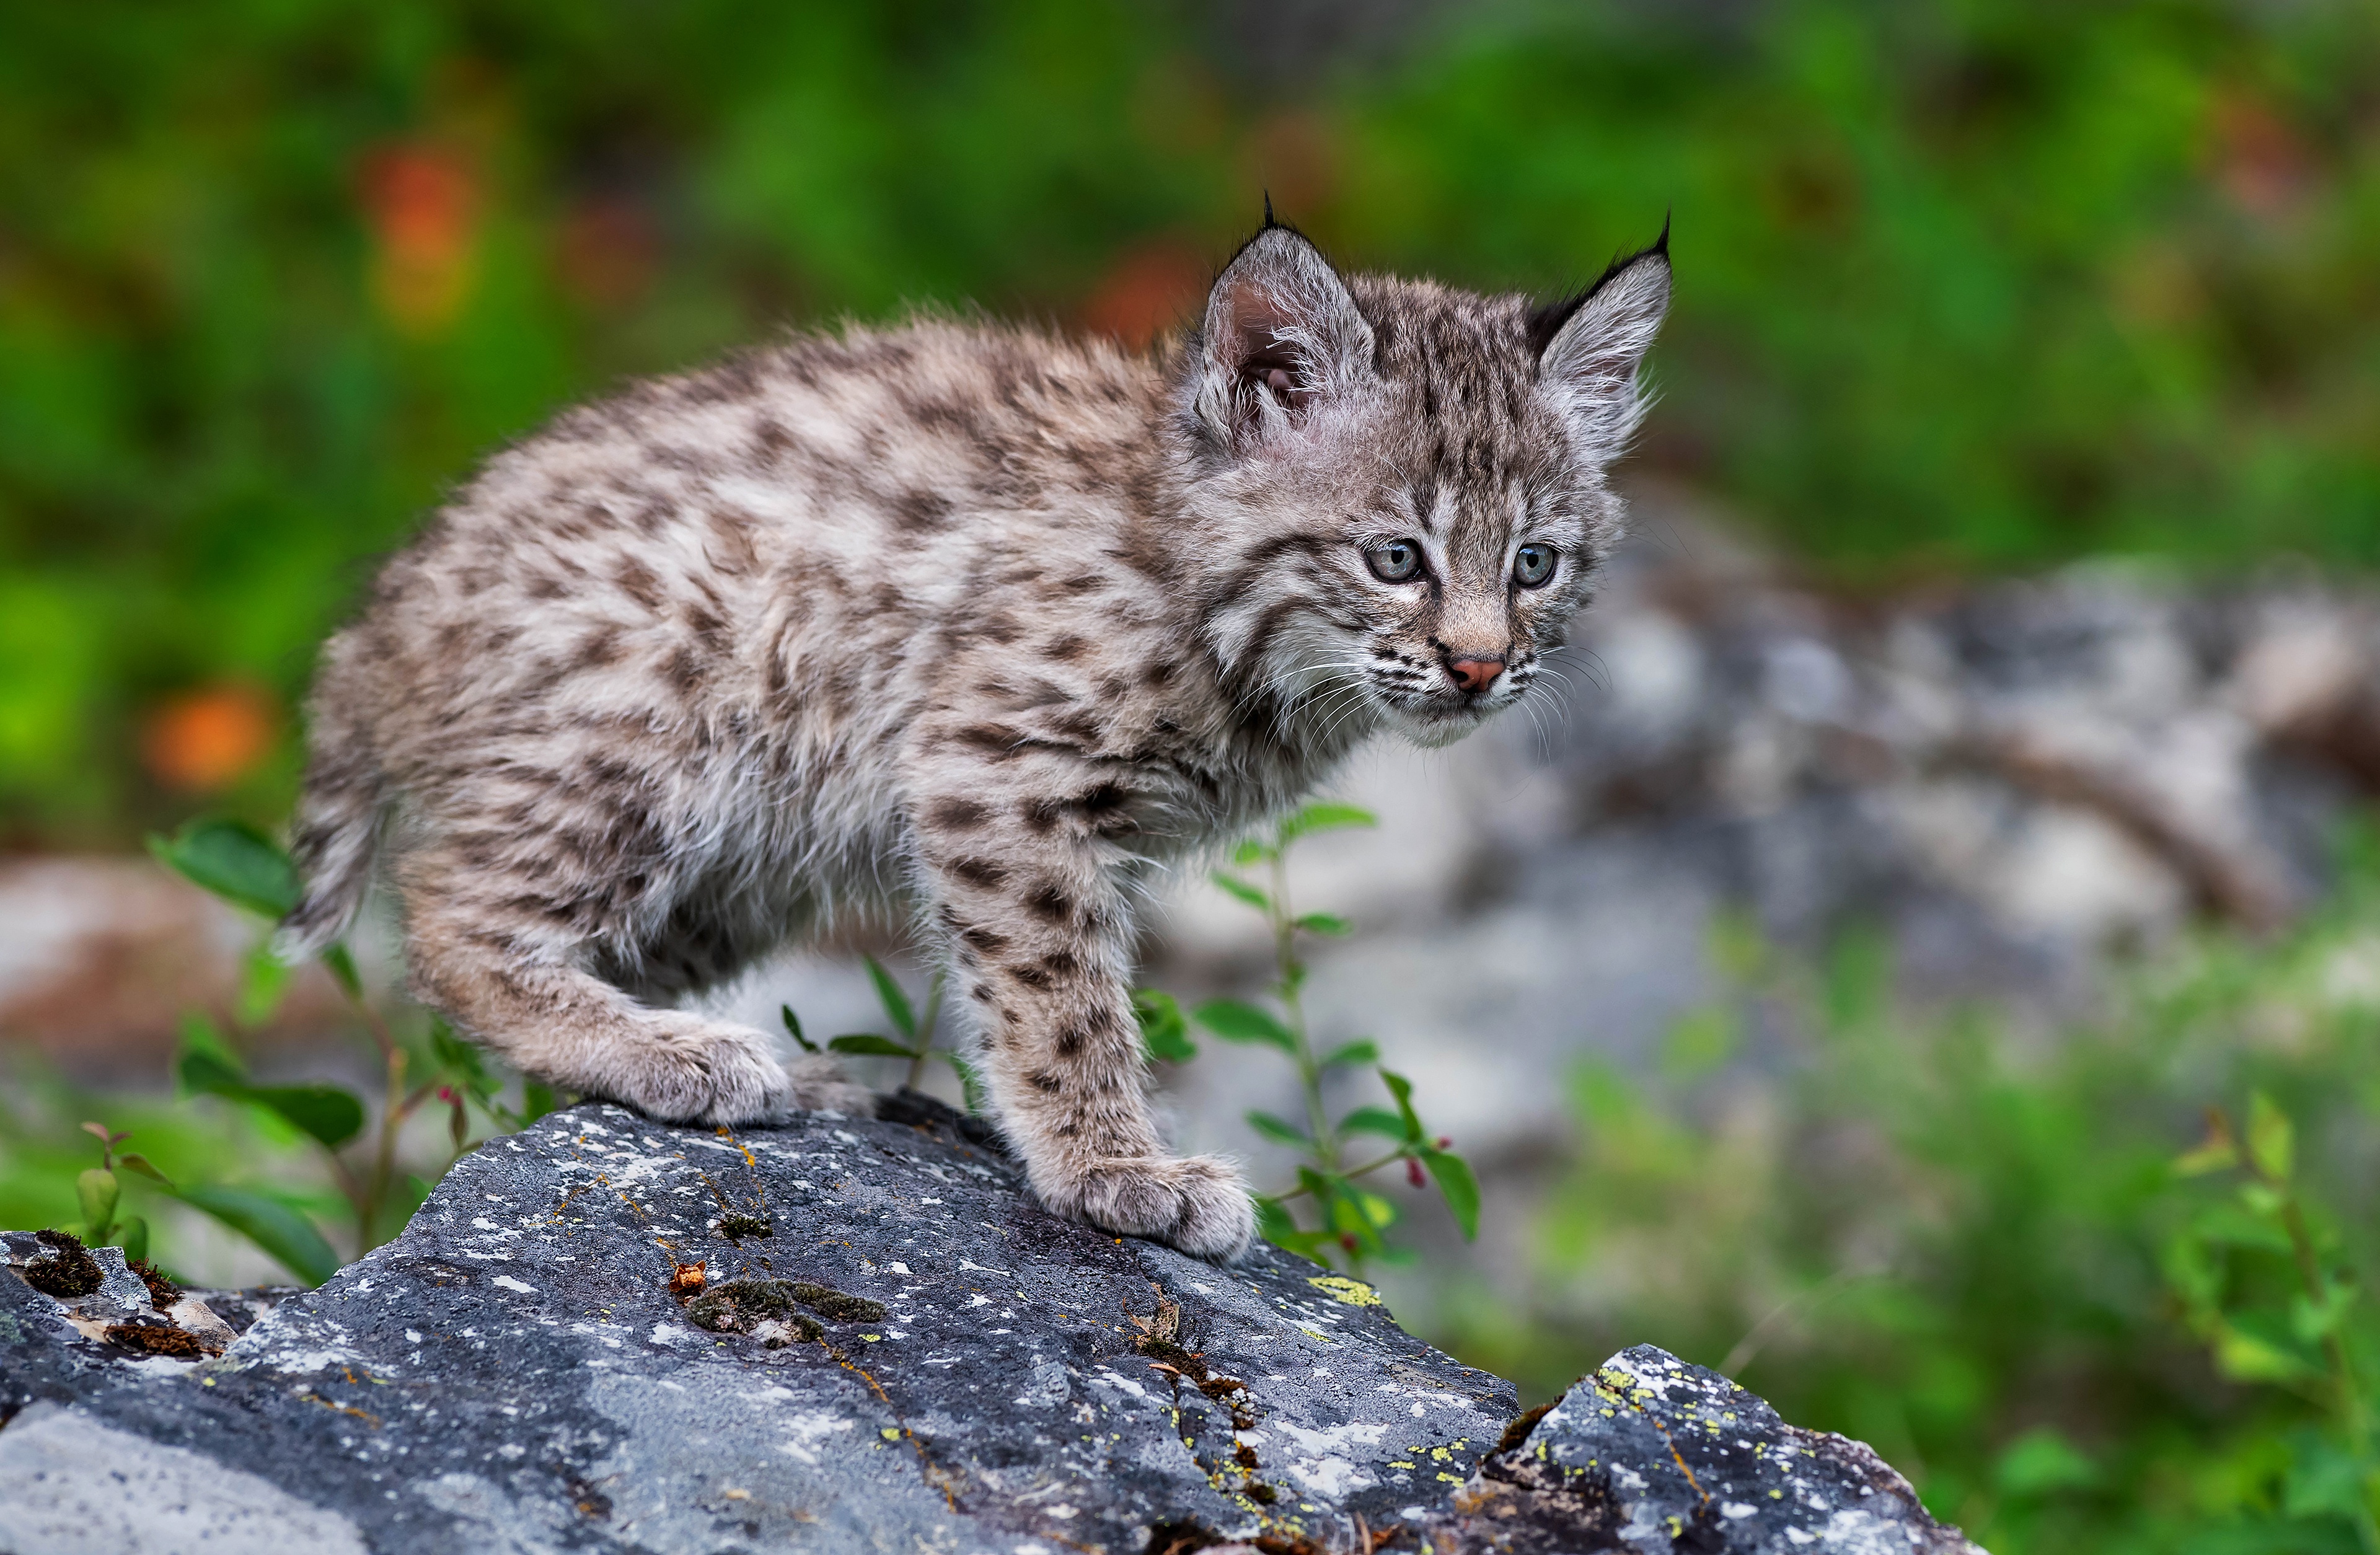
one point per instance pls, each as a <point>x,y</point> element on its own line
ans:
<point>971,625</point>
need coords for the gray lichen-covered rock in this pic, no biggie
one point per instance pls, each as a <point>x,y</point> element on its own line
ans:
<point>916,1358</point>
<point>1651,1454</point>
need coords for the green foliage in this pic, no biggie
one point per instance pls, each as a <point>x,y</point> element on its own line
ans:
<point>244,867</point>
<point>916,1041</point>
<point>234,860</point>
<point>1350,1221</point>
<point>1164,1030</point>
<point>285,1233</point>
<point>326,1113</point>
<point>1961,282</point>
<point>2082,1311</point>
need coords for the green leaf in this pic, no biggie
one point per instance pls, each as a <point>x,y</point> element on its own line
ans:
<point>1325,923</point>
<point>1250,852</point>
<point>264,977</point>
<point>1376,1120</point>
<point>2246,1356</point>
<point>2043,1460</point>
<point>1281,1131</point>
<point>2323,1481</point>
<point>895,1003</point>
<point>282,1232</point>
<point>1401,1088</point>
<point>2240,1226</point>
<point>793,1028</point>
<point>970,1084</point>
<point>1698,1043</point>
<point>331,1116</point>
<point>325,1112</point>
<point>868,1042</point>
<point>140,1164</point>
<point>461,1060</point>
<point>1324,816</point>
<point>1274,1222</point>
<point>2311,1320</point>
<point>536,1101</point>
<point>135,1240</point>
<point>1163,1030</point>
<point>1456,1185</point>
<point>236,861</point>
<point>1234,886</point>
<point>343,970</point>
<point>1361,1051</point>
<point>1236,1022</point>
<point>2271,1139</point>
<point>202,1071</point>
<point>95,1191</point>
<point>1276,1225</point>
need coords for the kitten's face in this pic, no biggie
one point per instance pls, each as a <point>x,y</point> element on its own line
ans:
<point>1413,477</point>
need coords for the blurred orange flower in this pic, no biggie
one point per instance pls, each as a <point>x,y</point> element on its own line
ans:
<point>423,205</point>
<point>1146,292</point>
<point>208,738</point>
<point>2260,161</point>
<point>607,252</point>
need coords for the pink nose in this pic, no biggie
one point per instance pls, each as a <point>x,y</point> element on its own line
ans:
<point>1475,675</point>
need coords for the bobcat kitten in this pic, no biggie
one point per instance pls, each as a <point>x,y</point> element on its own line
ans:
<point>972,623</point>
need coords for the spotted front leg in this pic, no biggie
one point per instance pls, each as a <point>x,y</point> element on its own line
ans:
<point>1030,895</point>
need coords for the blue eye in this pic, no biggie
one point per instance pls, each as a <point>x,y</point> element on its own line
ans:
<point>1395,561</point>
<point>1532,564</point>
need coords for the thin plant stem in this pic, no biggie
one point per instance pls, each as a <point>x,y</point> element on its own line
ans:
<point>1351,1173</point>
<point>2346,1397</point>
<point>925,1039</point>
<point>1293,975</point>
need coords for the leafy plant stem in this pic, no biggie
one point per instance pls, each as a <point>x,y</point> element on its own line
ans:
<point>927,1020</point>
<point>1351,1173</point>
<point>1292,976</point>
<point>2346,1397</point>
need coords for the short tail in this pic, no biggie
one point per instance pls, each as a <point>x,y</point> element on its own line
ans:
<point>337,834</point>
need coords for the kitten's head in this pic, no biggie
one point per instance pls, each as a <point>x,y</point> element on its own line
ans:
<point>1399,487</point>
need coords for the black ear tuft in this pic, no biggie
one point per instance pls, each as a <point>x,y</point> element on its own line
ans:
<point>1269,223</point>
<point>1546,320</point>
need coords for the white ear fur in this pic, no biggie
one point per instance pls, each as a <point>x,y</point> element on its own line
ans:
<point>1590,365</point>
<point>1281,331</point>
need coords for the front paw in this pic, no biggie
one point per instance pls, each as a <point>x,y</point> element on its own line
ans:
<point>820,1085</point>
<point>692,1070</point>
<point>1199,1204</point>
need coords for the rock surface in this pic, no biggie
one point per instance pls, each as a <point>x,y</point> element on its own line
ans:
<point>521,1371</point>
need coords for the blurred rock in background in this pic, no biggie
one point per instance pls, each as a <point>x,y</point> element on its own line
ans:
<point>2013,782</point>
<point>2014,779</point>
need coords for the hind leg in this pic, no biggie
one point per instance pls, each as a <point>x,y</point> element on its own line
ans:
<point>500,970</point>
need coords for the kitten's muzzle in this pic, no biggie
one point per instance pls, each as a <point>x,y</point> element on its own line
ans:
<point>1477,673</point>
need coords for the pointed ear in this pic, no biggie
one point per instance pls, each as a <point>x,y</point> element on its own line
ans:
<point>1279,335</point>
<point>1590,346</point>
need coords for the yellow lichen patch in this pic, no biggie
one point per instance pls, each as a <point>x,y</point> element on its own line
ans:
<point>1338,1287</point>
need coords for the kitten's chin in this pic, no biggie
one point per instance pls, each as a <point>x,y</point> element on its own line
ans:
<point>1432,728</point>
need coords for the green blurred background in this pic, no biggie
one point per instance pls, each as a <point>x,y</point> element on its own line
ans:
<point>1963,284</point>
